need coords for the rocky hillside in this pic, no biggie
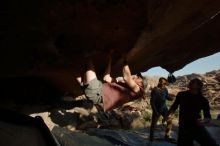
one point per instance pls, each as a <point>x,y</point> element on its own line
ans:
<point>211,82</point>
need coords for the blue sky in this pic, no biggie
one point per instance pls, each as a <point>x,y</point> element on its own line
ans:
<point>201,66</point>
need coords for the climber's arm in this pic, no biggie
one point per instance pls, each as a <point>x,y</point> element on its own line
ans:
<point>107,75</point>
<point>128,78</point>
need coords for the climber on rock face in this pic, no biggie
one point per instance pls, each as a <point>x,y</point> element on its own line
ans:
<point>159,95</point>
<point>111,92</point>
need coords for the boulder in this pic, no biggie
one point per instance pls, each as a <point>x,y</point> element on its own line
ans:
<point>49,39</point>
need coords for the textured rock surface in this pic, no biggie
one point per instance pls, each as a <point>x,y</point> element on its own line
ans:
<point>48,38</point>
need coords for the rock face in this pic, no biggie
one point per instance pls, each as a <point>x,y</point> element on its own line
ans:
<point>48,38</point>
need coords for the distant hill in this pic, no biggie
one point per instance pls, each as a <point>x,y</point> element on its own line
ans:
<point>211,82</point>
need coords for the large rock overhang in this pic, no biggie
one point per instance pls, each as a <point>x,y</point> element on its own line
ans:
<point>48,38</point>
